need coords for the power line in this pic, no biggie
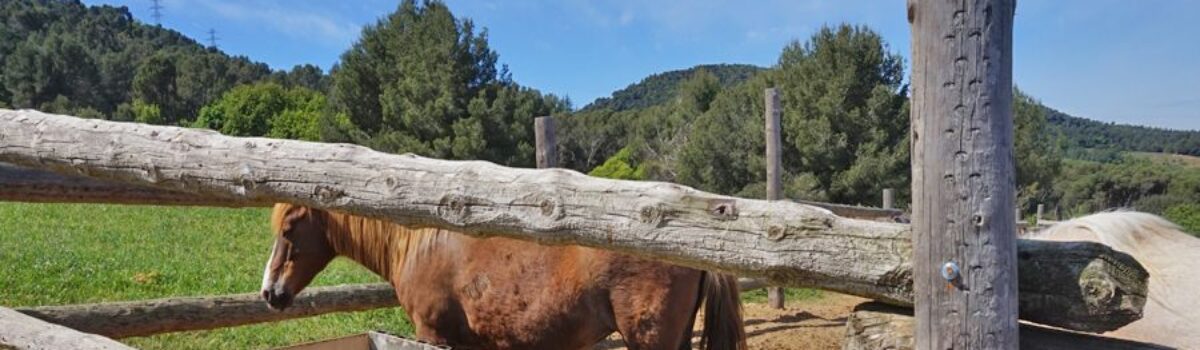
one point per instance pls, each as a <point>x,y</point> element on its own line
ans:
<point>212,38</point>
<point>157,12</point>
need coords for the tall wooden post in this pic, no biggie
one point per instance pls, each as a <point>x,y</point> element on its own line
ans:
<point>1041,209</point>
<point>889,198</point>
<point>774,172</point>
<point>545,142</point>
<point>964,266</point>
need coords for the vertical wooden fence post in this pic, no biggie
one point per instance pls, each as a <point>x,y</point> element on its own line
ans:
<point>889,198</point>
<point>545,142</point>
<point>774,172</point>
<point>1041,209</point>
<point>964,266</point>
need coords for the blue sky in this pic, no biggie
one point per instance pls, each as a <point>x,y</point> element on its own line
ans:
<point>1111,60</point>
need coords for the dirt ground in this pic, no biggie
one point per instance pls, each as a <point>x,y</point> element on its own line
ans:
<point>813,324</point>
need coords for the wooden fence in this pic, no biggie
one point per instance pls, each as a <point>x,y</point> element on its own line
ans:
<point>967,275</point>
<point>751,238</point>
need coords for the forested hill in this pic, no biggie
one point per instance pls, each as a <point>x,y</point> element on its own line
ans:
<point>1083,138</point>
<point>660,87</point>
<point>1085,134</point>
<point>98,61</point>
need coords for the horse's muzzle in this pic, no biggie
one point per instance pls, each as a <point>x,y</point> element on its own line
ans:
<point>277,300</point>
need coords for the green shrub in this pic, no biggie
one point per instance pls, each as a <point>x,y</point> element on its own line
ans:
<point>1187,216</point>
<point>620,166</point>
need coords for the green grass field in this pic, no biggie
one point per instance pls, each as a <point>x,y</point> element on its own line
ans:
<point>73,253</point>
<point>1181,159</point>
<point>70,253</point>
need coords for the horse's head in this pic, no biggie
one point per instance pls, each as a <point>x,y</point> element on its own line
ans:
<point>301,250</point>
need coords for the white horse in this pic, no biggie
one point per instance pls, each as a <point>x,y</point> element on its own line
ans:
<point>1172,313</point>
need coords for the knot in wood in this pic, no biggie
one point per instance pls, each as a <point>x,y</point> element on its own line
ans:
<point>1098,290</point>
<point>250,145</point>
<point>776,233</point>
<point>152,174</point>
<point>552,208</point>
<point>723,209</point>
<point>327,194</point>
<point>653,214</point>
<point>454,206</point>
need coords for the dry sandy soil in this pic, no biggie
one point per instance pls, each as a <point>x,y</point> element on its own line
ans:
<point>817,323</point>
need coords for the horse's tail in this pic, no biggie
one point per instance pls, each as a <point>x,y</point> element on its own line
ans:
<point>723,328</point>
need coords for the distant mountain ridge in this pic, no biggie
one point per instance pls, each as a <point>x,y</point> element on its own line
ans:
<point>1082,137</point>
<point>660,87</point>
<point>1083,133</point>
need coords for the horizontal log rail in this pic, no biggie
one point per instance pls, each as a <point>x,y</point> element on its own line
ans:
<point>18,331</point>
<point>874,326</point>
<point>149,317</point>
<point>30,185</point>
<point>857,212</point>
<point>1082,286</point>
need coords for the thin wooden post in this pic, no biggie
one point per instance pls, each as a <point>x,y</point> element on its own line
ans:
<point>889,198</point>
<point>1041,208</point>
<point>963,175</point>
<point>775,296</point>
<point>545,142</point>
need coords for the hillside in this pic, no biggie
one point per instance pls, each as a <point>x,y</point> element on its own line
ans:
<point>660,87</point>
<point>96,61</point>
<point>1083,138</point>
<point>1081,133</point>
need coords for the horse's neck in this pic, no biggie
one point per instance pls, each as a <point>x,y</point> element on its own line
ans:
<point>382,246</point>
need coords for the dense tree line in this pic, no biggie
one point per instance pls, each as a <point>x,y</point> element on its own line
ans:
<point>63,56</point>
<point>1092,139</point>
<point>658,88</point>
<point>421,80</point>
<point>845,127</point>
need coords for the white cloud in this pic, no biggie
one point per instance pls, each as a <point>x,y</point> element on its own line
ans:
<point>290,21</point>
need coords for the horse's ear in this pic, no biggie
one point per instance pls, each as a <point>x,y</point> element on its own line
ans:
<point>297,213</point>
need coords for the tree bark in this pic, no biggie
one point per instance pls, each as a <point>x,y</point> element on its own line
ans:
<point>775,296</point>
<point>787,244</point>
<point>149,317</point>
<point>545,142</point>
<point>965,265</point>
<point>874,326</point>
<point>18,331</point>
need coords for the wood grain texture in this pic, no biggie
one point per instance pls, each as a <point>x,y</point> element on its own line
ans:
<point>20,184</point>
<point>149,317</point>
<point>786,244</point>
<point>774,157</point>
<point>545,142</point>
<point>874,326</point>
<point>963,174</point>
<point>18,331</point>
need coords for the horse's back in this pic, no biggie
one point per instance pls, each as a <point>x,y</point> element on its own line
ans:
<point>517,294</point>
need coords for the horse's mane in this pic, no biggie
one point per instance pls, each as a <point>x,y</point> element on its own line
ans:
<point>380,245</point>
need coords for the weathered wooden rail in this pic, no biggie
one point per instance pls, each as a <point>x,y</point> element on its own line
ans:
<point>18,331</point>
<point>149,317</point>
<point>875,326</point>
<point>1075,285</point>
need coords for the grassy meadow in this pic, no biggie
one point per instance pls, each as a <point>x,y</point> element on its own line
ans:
<point>71,253</point>
<point>81,253</point>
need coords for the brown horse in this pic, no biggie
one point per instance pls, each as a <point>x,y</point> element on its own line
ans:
<point>499,293</point>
